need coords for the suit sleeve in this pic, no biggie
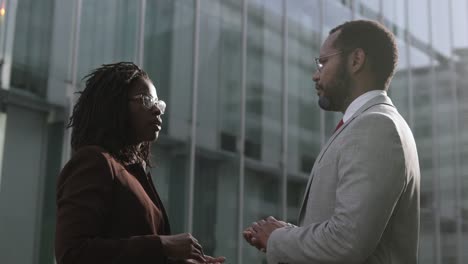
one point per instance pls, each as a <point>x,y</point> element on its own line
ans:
<point>371,178</point>
<point>84,198</point>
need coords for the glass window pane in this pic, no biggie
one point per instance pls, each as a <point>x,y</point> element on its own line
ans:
<point>31,52</point>
<point>168,42</point>
<point>262,196</point>
<point>334,13</point>
<point>460,23</point>
<point>107,38</point>
<point>445,128</point>
<point>264,82</point>
<point>218,128</point>
<point>303,112</point>
<point>263,115</point>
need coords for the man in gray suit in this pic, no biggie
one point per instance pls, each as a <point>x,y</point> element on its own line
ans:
<point>361,204</point>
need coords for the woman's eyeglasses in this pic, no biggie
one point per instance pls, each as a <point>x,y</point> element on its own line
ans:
<point>148,102</point>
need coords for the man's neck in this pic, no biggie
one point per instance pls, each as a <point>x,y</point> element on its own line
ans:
<point>355,93</point>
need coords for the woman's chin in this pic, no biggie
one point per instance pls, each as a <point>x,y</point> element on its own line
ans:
<point>155,136</point>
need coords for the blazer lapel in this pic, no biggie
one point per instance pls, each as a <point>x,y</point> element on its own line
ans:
<point>381,99</point>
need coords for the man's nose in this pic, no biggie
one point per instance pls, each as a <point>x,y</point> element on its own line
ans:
<point>316,76</point>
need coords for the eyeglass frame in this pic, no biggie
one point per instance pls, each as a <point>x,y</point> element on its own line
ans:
<point>160,104</point>
<point>319,65</point>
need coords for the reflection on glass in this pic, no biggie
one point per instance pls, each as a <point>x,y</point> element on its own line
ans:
<point>168,55</point>
<point>262,200</point>
<point>215,207</point>
<point>263,115</point>
<point>303,111</point>
<point>264,82</point>
<point>218,128</point>
<point>335,13</point>
<point>31,53</point>
<point>107,38</point>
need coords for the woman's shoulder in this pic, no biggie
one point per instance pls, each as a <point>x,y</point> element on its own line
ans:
<point>90,150</point>
<point>93,152</point>
<point>92,157</point>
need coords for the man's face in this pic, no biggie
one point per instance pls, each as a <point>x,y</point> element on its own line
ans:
<point>332,81</point>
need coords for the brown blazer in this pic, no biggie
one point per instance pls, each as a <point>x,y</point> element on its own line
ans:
<point>107,213</point>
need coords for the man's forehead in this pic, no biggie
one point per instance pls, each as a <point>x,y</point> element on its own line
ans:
<point>327,45</point>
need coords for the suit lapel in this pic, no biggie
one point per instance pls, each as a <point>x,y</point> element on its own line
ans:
<point>380,99</point>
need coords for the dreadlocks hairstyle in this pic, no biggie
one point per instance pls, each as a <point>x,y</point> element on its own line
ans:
<point>100,116</point>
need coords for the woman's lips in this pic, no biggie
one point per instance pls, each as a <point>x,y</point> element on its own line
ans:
<point>156,124</point>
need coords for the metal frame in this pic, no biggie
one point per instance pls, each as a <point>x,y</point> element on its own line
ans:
<point>240,218</point>
<point>73,75</point>
<point>409,71</point>
<point>284,118</point>
<point>456,145</point>
<point>435,143</point>
<point>141,34</point>
<point>322,113</point>
<point>11,7</point>
<point>193,134</point>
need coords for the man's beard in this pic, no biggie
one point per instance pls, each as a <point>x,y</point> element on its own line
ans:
<point>339,89</point>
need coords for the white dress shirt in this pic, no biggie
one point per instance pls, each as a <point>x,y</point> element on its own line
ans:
<point>360,101</point>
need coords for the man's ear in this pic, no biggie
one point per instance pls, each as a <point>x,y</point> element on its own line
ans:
<point>357,60</point>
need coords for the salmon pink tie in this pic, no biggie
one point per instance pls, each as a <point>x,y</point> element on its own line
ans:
<point>339,125</point>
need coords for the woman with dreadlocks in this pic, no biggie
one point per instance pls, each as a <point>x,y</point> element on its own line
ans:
<point>108,210</point>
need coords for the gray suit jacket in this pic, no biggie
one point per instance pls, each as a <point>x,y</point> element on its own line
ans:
<point>361,204</point>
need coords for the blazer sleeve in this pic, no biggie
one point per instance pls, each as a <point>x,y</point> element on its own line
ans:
<point>84,197</point>
<point>371,178</point>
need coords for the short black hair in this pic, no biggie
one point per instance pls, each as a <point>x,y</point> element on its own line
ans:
<point>377,42</point>
<point>101,117</point>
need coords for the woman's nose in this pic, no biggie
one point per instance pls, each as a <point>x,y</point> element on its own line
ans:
<point>155,110</point>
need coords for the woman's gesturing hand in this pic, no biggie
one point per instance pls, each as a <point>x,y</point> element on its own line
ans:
<point>182,246</point>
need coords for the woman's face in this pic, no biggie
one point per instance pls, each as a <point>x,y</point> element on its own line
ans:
<point>145,116</point>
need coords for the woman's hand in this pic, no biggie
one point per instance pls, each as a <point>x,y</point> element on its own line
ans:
<point>183,246</point>
<point>209,259</point>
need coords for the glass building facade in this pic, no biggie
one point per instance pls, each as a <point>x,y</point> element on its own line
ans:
<point>243,127</point>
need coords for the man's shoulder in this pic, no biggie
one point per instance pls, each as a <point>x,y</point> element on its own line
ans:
<point>378,116</point>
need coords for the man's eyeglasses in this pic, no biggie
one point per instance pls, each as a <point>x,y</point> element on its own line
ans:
<point>148,102</point>
<point>320,65</point>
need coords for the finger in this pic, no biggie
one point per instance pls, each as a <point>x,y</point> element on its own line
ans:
<point>271,219</point>
<point>210,259</point>
<point>256,227</point>
<point>196,243</point>
<point>247,235</point>
<point>261,222</point>
<point>197,253</point>
<point>197,246</point>
<point>252,227</point>
<point>256,243</point>
<point>198,257</point>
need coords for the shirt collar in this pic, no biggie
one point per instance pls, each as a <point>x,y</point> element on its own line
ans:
<point>360,101</point>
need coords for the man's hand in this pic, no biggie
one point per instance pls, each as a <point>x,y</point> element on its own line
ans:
<point>257,235</point>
